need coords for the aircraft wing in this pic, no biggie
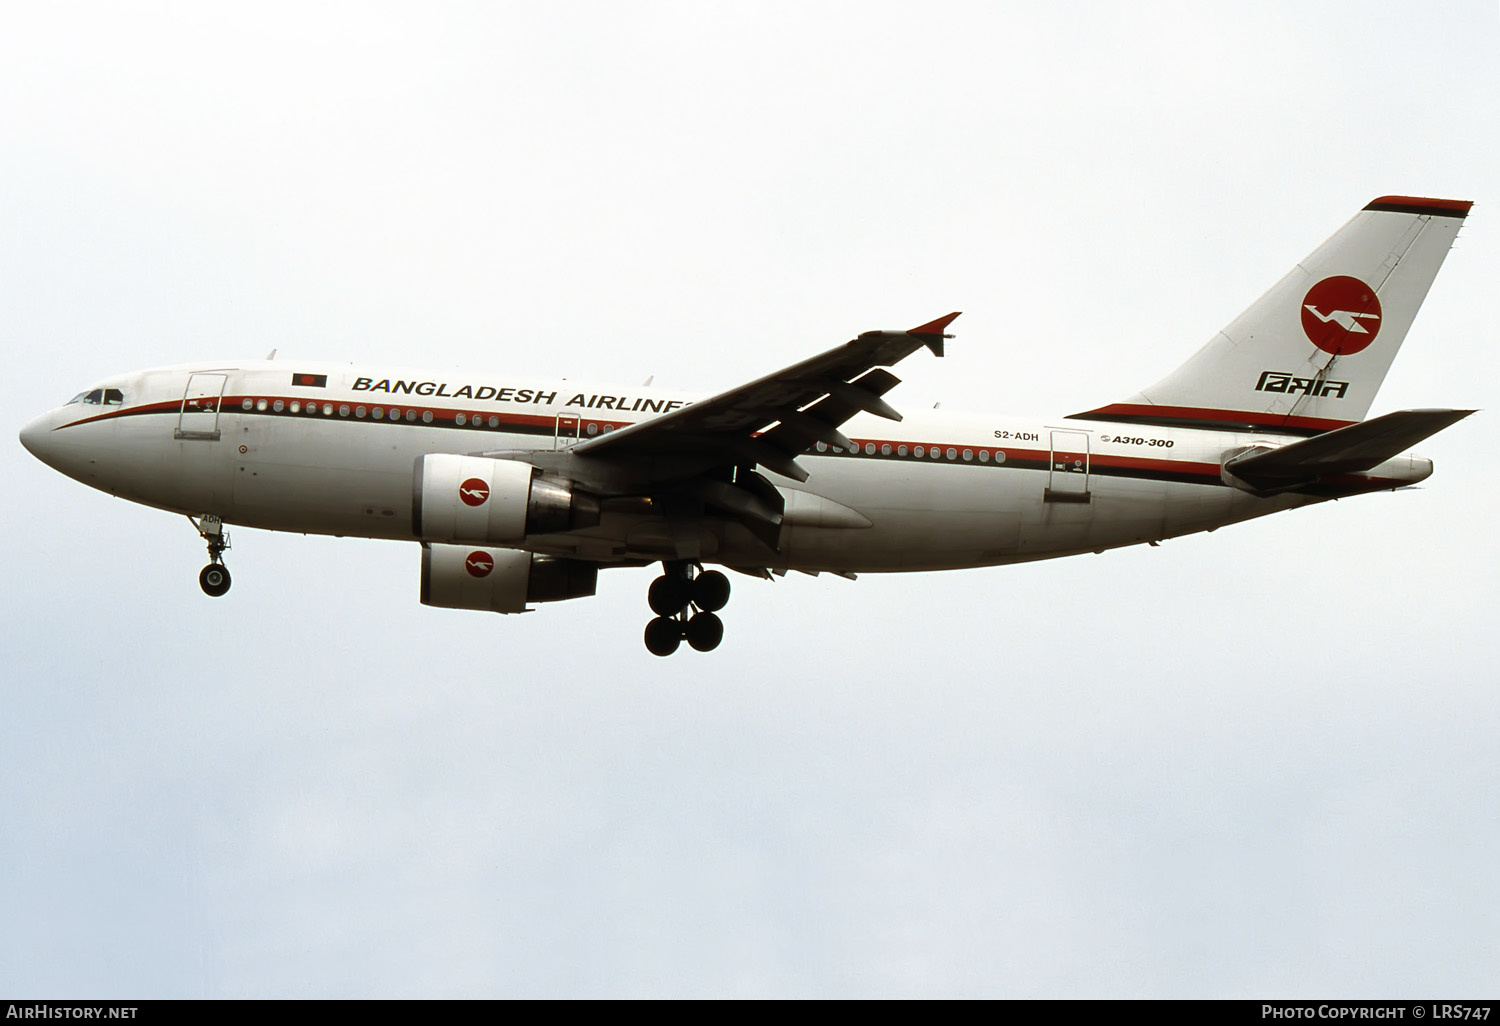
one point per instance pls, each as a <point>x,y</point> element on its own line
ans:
<point>1348,450</point>
<point>772,420</point>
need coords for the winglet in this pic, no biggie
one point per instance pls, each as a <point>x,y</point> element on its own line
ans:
<point>934,329</point>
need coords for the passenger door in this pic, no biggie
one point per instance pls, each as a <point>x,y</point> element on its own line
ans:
<point>1068,478</point>
<point>198,419</point>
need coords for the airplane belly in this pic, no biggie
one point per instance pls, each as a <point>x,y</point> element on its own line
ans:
<point>1119,511</point>
<point>313,478</point>
<point>923,517</point>
<point>941,517</point>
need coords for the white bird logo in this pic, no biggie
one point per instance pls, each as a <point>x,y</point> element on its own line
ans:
<point>1344,318</point>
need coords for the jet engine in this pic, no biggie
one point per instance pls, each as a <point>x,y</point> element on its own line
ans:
<point>502,580</point>
<point>482,501</point>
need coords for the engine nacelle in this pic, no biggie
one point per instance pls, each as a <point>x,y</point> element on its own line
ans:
<point>482,501</point>
<point>502,580</point>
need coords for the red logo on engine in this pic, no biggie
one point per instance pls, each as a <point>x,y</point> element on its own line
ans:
<point>479,564</point>
<point>1341,315</point>
<point>474,492</point>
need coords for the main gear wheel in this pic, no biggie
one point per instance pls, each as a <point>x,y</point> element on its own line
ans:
<point>685,599</point>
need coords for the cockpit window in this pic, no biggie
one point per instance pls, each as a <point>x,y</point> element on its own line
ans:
<point>99,396</point>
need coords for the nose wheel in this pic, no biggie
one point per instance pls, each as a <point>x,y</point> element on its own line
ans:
<point>214,579</point>
<point>686,600</point>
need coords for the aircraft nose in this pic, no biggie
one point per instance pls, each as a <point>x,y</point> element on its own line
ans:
<point>36,437</point>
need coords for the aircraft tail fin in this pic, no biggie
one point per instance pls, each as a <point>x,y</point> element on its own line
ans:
<point>1310,354</point>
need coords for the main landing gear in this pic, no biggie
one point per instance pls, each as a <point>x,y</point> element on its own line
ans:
<point>213,579</point>
<point>685,600</point>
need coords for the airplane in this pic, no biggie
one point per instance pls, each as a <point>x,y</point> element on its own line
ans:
<point>519,491</point>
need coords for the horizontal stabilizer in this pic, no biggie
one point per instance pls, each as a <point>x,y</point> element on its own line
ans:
<point>1348,450</point>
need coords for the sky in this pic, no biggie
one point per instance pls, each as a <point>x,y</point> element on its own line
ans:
<point>1248,764</point>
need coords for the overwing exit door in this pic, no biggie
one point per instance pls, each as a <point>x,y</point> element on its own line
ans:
<point>567,431</point>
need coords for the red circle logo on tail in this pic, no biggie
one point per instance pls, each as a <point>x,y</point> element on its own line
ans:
<point>479,564</point>
<point>1341,315</point>
<point>474,492</point>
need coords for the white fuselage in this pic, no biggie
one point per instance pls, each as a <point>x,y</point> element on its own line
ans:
<point>937,490</point>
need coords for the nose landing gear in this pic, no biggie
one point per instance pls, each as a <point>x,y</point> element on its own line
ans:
<point>214,579</point>
<point>685,600</point>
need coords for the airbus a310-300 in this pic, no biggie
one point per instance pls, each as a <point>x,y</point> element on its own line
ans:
<point>520,491</point>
